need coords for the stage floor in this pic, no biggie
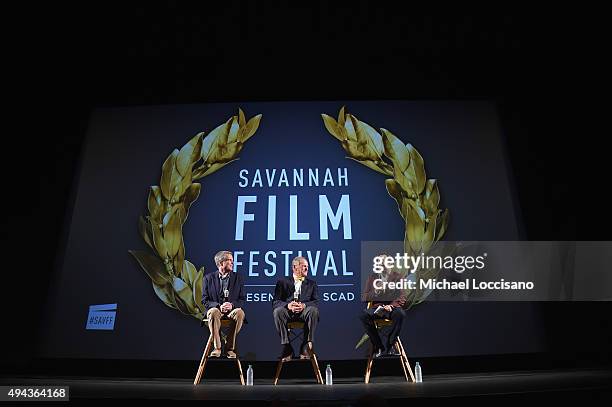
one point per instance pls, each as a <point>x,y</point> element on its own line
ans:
<point>592,385</point>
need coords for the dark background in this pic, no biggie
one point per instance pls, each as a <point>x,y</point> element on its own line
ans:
<point>534,64</point>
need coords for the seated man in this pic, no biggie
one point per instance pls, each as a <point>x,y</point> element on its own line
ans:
<point>223,296</point>
<point>296,299</point>
<point>383,304</point>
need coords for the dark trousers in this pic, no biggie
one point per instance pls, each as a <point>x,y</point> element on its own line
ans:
<point>310,316</point>
<point>396,316</point>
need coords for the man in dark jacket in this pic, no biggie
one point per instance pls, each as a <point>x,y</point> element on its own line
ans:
<point>223,296</point>
<point>383,304</point>
<point>296,299</point>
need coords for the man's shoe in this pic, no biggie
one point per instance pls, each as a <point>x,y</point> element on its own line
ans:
<point>215,353</point>
<point>286,353</point>
<point>393,352</point>
<point>304,353</point>
<point>380,352</point>
<point>231,354</point>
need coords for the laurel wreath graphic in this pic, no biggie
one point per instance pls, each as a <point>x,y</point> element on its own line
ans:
<point>176,281</point>
<point>417,197</point>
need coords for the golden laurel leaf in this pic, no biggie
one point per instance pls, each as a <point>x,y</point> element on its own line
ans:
<point>417,198</point>
<point>176,281</point>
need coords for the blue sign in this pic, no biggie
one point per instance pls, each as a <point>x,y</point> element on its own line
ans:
<point>102,317</point>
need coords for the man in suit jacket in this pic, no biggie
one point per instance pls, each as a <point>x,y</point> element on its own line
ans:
<point>383,304</point>
<point>296,299</point>
<point>223,296</point>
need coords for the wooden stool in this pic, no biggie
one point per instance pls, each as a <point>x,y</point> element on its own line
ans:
<point>380,323</point>
<point>225,322</point>
<point>313,356</point>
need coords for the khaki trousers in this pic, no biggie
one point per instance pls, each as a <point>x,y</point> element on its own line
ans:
<point>214,316</point>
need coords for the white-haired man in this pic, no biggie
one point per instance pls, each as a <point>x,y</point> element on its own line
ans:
<point>296,299</point>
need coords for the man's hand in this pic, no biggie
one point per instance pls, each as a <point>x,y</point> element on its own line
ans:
<point>295,306</point>
<point>388,308</point>
<point>226,307</point>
